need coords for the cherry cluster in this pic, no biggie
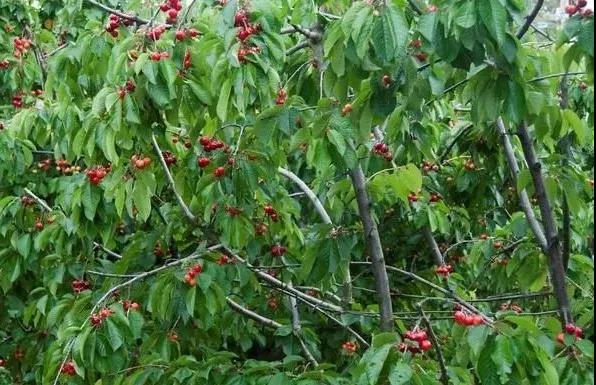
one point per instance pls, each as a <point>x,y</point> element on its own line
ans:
<point>127,88</point>
<point>273,303</point>
<point>350,347</point>
<point>158,250</point>
<point>39,224</point>
<point>159,55</point>
<point>27,201</point>
<point>224,260</point>
<point>415,341</point>
<point>347,109</point>
<point>465,319</point>
<point>387,81</point>
<point>191,275</point>
<point>233,211</point>
<point>211,144</point>
<point>470,165</point>
<point>261,229</point>
<point>282,97</point>
<point>97,174</point>
<point>114,22</point>
<point>242,21</point>
<point>45,164</point>
<point>187,63</point>
<point>66,168</point>
<point>140,162</point>
<point>80,285</point>
<point>155,33</point>
<point>382,149</point>
<point>278,250</point>
<point>98,318</point>
<point>17,101</point>
<point>511,307</point>
<point>187,142</point>
<point>171,8</point>
<point>169,158</point>
<point>416,44</point>
<point>21,46</point>
<point>428,166</point>
<point>413,197</point>
<point>445,270</point>
<point>37,92</point>
<point>2,363</point>
<point>571,330</point>
<point>183,34</point>
<point>68,369</point>
<point>578,8</point>
<point>4,64</point>
<point>129,305</point>
<point>271,213</point>
<point>435,197</point>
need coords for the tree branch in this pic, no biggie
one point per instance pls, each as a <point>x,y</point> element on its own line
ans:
<point>166,170</point>
<point>434,247</point>
<point>438,350</point>
<point>530,19</point>
<point>118,12</point>
<point>106,250</point>
<point>252,315</point>
<point>455,140</point>
<point>297,48</point>
<point>375,249</point>
<point>553,249</point>
<point>524,199</point>
<point>297,329</point>
<point>39,201</point>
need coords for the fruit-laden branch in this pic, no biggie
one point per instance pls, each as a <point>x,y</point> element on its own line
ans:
<point>524,199</point>
<point>530,19</point>
<point>375,249</point>
<point>557,270</point>
<point>438,288</point>
<point>437,346</point>
<point>166,170</point>
<point>252,315</point>
<point>125,284</point>
<point>116,12</point>
<point>434,247</point>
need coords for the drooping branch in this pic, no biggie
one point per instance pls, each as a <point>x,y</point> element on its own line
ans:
<point>530,19</point>
<point>252,315</point>
<point>117,12</point>
<point>434,247</point>
<point>375,249</point>
<point>166,170</point>
<point>437,346</point>
<point>297,329</point>
<point>553,249</point>
<point>524,199</point>
<point>106,250</point>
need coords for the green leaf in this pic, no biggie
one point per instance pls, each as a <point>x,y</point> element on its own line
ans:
<point>494,17</point>
<point>477,338</point>
<point>503,357</point>
<point>400,374</point>
<point>115,339</point>
<point>223,101</point>
<point>338,141</point>
<point>191,296</point>
<point>373,362</point>
<point>486,368</point>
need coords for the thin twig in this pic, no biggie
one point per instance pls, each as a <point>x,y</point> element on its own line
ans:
<point>434,247</point>
<point>297,48</point>
<point>252,315</point>
<point>530,19</point>
<point>117,12</point>
<point>106,250</point>
<point>557,75</point>
<point>297,329</point>
<point>437,346</point>
<point>166,170</point>
<point>39,201</point>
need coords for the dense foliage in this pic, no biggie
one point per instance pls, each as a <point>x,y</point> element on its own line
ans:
<point>295,192</point>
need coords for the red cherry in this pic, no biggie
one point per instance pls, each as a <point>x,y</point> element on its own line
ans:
<point>278,250</point>
<point>477,320</point>
<point>426,345</point>
<point>219,172</point>
<point>561,338</point>
<point>173,14</point>
<point>203,162</point>
<point>582,3</point>
<point>579,332</point>
<point>180,35</point>
<point>2,363</point>
<point>417,43</point>
<point>570,329</point>
<point>571,10</point>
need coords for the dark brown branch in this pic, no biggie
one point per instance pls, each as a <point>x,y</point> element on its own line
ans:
<point>557,269</point>
<point>437,346</point>
<point>117,12</point>
<point>530,19</point>
<point>455,140</point>
<point>434,247</point>
<point>297,48</point>
<point>375,248</point>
